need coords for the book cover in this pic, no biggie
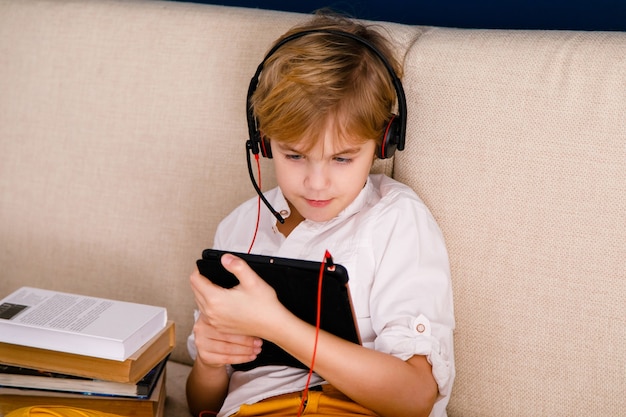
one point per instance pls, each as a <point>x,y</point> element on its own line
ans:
<point>13,398</point>
<point>21,377</point>
<point>82,325</point>
<point>130,371</point>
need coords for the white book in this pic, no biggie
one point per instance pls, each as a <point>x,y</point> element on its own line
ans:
<point>77,324</point>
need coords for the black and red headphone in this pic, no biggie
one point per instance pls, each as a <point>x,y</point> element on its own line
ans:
<point>393,135</point>
<point>395,131</point>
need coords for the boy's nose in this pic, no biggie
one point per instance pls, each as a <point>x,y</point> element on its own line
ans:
<point>317,178</point>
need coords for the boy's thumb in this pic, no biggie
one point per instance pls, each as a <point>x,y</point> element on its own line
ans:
<point>236,266</point>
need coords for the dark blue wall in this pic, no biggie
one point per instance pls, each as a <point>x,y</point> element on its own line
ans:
<point>507,14</point>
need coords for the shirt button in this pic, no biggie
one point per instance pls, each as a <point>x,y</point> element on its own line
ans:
<point>420,328</point>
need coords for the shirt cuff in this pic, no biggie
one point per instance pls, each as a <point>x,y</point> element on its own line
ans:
<point>409,336</point>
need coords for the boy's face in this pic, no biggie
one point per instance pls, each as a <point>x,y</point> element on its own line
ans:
<point>320,183</point>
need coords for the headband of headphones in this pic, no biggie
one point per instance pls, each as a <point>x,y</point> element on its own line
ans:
<point>395,131</point>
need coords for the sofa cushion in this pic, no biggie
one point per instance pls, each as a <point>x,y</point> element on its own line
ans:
<point>517,142</point>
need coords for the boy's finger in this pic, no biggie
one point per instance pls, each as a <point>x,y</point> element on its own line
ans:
<point>239,267</point>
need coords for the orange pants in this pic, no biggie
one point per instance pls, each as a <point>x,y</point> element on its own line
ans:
<point>328,402</point>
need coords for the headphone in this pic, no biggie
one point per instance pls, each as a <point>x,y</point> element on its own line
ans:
<point>393,134</point>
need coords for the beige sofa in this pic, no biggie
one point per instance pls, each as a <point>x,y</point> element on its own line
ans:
<point>122,131</point>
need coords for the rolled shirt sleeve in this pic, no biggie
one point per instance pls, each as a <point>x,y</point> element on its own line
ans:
<point>411,300</point>
<point>407,337</point>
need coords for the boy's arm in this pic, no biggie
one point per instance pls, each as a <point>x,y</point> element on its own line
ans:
<point>207,384</point>
<point>381,382</point>
<point>207,387</point>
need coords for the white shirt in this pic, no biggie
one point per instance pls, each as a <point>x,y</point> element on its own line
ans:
<point>399,280</point>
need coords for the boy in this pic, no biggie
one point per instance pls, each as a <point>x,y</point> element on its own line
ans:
<point>322,104</point>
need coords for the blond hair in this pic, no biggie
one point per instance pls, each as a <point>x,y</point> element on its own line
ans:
<point>323,78</point>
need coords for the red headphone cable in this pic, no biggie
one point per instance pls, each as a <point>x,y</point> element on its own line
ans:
<point>327,259</point>
<point>258,210</point>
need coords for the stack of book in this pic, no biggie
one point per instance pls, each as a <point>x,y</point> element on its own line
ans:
<point>86,352</point>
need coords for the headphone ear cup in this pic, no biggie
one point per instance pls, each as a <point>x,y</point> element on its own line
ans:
<point>266,149</point>
<point>260,144</point>
<point>390,139</point>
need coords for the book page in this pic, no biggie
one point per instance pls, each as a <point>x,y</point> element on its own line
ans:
<point>53,310</point>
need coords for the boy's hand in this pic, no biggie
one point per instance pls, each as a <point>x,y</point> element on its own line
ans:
<point>216,349</point>
<point>248,309</point>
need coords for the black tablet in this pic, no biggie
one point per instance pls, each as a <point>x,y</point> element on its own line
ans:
<point>296,284</point>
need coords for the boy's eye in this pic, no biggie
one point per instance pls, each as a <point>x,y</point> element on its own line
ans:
<point>293,156</point>
<point>342,160</point>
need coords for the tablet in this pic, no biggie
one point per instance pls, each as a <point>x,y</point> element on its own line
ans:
<point>296,283</point>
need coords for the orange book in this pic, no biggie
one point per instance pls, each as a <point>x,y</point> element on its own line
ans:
<point>130,370</point>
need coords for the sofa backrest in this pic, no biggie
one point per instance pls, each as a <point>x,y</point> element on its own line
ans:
<point>122,141</point>
<point>122,130</point>
<point>518,146</point>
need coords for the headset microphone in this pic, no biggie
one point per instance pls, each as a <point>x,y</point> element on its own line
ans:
<point>256,186</point>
